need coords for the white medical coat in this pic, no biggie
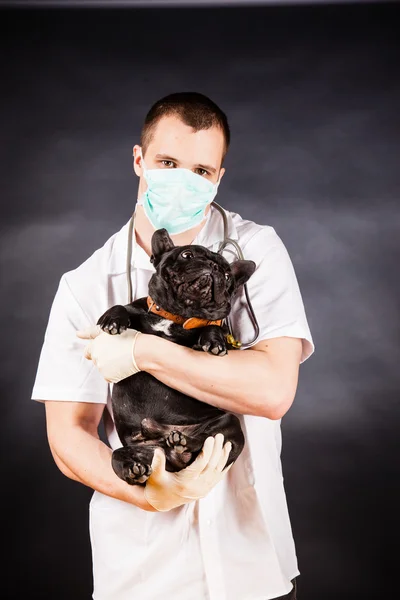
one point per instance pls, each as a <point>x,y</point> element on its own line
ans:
<point>236,543</point>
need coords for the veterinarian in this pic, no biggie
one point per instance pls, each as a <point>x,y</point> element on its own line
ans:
<point>202,533</point>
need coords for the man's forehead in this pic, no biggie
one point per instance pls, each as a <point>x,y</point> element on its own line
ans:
<point>173,139</point>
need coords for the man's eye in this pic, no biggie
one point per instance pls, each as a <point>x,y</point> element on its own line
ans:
<point>202,172</point>
<point>187,254</point>
<point>169,165</point>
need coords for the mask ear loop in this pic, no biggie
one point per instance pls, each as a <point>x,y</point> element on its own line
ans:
<point>143,164</point>
<point>144,168</point>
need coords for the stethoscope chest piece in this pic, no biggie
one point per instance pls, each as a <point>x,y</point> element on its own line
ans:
<point>232,341</point>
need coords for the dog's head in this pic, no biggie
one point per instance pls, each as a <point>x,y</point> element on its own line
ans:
<point>192,281</point>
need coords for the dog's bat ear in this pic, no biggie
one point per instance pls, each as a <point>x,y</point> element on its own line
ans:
<point>160,243</point>
<point>242,270</point>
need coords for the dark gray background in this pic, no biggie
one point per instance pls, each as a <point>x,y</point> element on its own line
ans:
<point>313,96</point>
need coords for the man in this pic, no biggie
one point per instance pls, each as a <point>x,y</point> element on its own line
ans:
<point>233,542</point>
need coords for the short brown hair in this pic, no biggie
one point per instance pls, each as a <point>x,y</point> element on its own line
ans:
<point>193,109</point>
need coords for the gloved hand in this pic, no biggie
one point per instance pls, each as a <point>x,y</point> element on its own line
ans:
<point>165,490</point>
<point>113,355</point>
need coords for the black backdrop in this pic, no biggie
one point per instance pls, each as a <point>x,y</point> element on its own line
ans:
<point>313,96</point>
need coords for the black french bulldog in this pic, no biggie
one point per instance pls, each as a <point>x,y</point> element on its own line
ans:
<point>194,286</point>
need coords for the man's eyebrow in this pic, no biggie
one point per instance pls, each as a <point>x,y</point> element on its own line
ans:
<point>175,160</point>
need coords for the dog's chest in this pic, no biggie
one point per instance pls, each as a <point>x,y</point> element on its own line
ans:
<point>164,326</point>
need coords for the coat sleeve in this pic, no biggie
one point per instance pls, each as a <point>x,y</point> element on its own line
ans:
<point>63,373</point>
<point>274,294</point>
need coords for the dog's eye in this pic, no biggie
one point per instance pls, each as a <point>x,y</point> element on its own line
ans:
<point>187,254</point>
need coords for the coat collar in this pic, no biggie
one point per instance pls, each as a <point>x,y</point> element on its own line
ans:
<point>211,233</point>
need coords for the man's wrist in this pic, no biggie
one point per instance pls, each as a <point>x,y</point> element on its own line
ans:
<point>162,499</point>
<point>132,494</point>
<point>144,503</point>
<point>146,351</point>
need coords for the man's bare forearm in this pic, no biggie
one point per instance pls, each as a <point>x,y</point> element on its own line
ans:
<point>244,381</point>
<point>85,458</point>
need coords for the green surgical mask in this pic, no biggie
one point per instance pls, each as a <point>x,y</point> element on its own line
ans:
<point>176,198</point>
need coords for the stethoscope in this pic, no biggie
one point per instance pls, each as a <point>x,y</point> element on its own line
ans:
<point>227,240</point>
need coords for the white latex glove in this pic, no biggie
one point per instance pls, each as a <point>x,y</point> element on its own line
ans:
<point>165,490</point>
<point>113,355</point>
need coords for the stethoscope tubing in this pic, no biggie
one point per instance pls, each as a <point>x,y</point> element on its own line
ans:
<point>227,240</point>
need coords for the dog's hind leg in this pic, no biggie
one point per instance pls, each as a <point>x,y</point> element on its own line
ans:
<point>184,442</point>
<point>133,463</point>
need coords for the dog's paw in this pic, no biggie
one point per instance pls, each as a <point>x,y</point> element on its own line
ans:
<point>177,441</point>
<point>212,340</point>
<point>115,320</point>
<point>137,472</point>
<point>133,463</point>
